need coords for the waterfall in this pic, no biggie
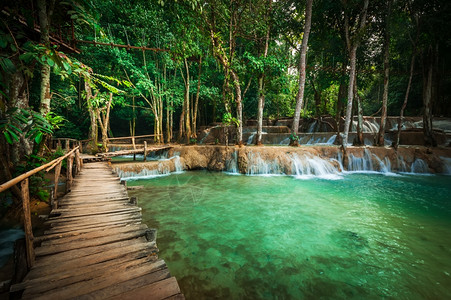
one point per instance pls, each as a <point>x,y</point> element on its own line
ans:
<point>251,138</point>
<point>312,127</point>
<point>285,141</point>
<point>257,166</point>
<point>307,167</point>
<point>331,140</point>
<point>446,165</point>
<point>232,164</point>
<point>402,165</point>
<point>419,166</point>
<point>360,164</point>
<point>177,164</point>
<point>384,165</point>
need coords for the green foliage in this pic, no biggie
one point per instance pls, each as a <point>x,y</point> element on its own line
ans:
<point>227,120</point>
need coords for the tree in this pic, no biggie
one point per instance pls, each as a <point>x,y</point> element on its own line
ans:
<point>352,42</point>
<point>381,133</point>
<point>301,68</point>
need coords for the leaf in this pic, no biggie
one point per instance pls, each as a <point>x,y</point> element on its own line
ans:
<point>7,65</point>
<point>8,137</point>
<point>50,62</point>
<point>38,138</point>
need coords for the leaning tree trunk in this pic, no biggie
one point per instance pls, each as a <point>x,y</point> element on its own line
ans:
<point>302,65</point>
<point>381,133</point>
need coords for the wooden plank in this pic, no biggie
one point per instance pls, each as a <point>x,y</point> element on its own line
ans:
<point>77,236</point>
<point>159,290</point>
<point>87,211</point>
<point>74,200</point>
<point>46,250</point>
<point>93,213</point>
<point>77,232</point>
<point>94,220</point>
<point>61,229</point>
<point>39,284</point>
<point>90,260</point>
<point>110,251</point>
<point>128,286</point>
<point>85,287</point>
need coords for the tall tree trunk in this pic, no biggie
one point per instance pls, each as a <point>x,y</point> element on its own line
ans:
<point>196,103</point>
<point>93,132</point>
<point>187,106</point>
<point>261,82</point>
<point>429,139</point>
<point>406,98</point>
<point>104,121</point>
<point>352,47</point>
<point>340,103</point>
<point>239,107</point>
<point>359,137</point>
<point>348,119</point>
<point>381,133</point>
<point>44,24</point>
<point>302,65</point>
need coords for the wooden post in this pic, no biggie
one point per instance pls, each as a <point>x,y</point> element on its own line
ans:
<point>80,146</point>
<point>58,144</point>
<point>67,145</point>
<point>70,159</point>
<point>57,176</point>
<point>133,142</point>
<point>27,222</point>
<point>77,162</point>
<point>145,150</point>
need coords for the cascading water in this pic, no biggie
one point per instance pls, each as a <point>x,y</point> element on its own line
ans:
<point>257,166</point>
<point>232,164</point>
<point>307,167</point>
<point>419,166</point>
<point>446,165</point>
<point>162,169</point>
<point>360,164</point>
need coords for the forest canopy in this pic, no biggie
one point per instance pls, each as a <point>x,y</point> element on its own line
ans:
<point>98,69</point>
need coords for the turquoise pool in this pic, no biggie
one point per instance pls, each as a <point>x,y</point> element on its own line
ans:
<point>364,236</point>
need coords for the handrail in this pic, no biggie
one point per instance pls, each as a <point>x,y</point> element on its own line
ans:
<point>136,136</point>
<point>19,178</point>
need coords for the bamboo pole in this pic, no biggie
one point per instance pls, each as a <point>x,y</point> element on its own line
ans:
<point>77,162</point>
<point>18,179</point>
<point>27,223</point>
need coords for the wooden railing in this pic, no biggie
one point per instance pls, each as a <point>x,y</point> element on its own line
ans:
<point>72,155</point>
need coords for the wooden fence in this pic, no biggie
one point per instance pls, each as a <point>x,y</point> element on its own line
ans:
<point>23,180</point>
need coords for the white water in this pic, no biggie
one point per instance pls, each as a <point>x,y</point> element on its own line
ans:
<point>308,167</point>
<point>419,166</point>
<point>232,164</point>
<point>446,165</point>
<point>162,170</point>
<point>257,166</point>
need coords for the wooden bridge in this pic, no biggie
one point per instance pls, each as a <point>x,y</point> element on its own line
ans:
<point>96,246</point>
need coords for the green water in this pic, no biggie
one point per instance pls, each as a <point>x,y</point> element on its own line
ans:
<point>367,236</point>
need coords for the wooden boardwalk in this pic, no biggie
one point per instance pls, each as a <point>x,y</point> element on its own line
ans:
<point>97,247</point>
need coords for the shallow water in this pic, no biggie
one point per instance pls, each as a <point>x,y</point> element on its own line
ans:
<point>365,236</point>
